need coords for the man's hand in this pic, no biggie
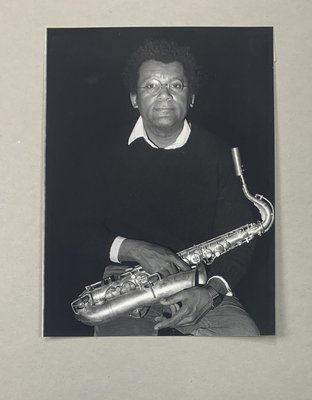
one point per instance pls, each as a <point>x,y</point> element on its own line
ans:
<point>196,302</point>
<point>151,257</point>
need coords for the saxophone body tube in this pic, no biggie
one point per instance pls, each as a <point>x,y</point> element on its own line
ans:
<point>107,310</point>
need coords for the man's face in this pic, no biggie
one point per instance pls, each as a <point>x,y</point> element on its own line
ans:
<point>164,111</point>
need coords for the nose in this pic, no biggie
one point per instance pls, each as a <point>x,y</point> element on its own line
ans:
<point>164,91</point>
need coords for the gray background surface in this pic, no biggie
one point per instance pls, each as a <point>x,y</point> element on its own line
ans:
<point>33,367</point>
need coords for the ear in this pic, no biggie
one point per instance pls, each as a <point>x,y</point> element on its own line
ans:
<point>133,98</point>
<point>192,100</point>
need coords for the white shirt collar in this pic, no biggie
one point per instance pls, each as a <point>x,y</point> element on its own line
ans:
<point>139,132</point>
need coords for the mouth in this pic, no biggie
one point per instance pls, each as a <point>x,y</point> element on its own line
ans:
<point>163,108</point>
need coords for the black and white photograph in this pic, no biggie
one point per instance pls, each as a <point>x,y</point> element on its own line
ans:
<point>159,182</point>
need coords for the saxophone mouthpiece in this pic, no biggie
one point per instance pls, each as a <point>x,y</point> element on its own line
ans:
<point>237,161</point>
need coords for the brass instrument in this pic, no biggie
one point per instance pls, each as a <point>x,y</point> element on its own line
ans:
<point>114,296</point>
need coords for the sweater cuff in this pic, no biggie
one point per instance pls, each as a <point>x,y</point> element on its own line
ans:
<point>114,250</point>
<point>220,285</point>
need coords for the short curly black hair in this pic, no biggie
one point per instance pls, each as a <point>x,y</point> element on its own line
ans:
<point>166,52</point>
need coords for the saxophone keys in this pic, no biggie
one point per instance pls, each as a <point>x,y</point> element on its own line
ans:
<point>127,287</point>
<point>186,260</point>
<point>219,250</point>
<point>195,258</point>
<point>207,253</point>
<point>226,245</point>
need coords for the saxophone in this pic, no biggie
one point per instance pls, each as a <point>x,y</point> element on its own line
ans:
<point>128,292</point>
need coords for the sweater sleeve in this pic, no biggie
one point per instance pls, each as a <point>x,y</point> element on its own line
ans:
<point>233,210</point>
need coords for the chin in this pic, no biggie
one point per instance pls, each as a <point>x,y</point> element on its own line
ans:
<point>166,123</point>
<point>165,127</point>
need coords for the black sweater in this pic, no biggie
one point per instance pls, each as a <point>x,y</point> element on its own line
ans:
<point>175,198</point>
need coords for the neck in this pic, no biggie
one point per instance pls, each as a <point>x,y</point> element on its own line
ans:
<point>164,137</point>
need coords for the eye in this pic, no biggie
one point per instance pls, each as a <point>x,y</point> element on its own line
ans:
<point>152,84</point>
<point>177,85</point>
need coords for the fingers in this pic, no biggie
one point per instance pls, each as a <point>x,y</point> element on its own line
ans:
<point>163,268</point>
<point>170,268</point>
<point>174,265</point>
<point>174,308</point>
<point>170,322</point>
<point>154,258</point>
<point>174,321</point>
<point>159,319</point>
<point>164,273</point>
<point>167,262</point>
<point>196,302</point>
<point>170,300</point>
<point>188,320</point>
<point>181,265</point>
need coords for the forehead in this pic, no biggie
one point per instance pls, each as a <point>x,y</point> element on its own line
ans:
<point>157,69</point>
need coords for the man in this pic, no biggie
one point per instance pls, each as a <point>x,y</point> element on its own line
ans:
<point>171,186</point>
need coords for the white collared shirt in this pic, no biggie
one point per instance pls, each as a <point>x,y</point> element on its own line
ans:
<point>139,132</point>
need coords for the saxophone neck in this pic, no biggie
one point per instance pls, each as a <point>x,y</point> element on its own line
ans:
<point>264,206</point>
